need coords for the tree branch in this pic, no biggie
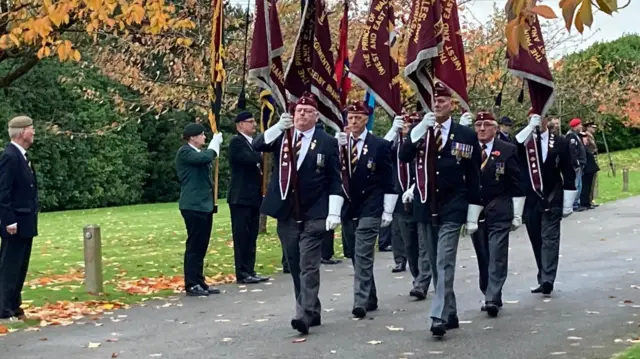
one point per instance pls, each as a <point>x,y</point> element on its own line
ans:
<point>19,72</point>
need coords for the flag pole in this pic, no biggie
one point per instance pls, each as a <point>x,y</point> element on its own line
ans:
<point>216,69</point>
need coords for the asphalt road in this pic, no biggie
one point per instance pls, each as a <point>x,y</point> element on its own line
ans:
<point>593,312</point>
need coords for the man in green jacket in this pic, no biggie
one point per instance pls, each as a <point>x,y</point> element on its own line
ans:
<point>193,166</point>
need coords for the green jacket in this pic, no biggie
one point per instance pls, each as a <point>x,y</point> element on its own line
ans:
<point>196,182</point>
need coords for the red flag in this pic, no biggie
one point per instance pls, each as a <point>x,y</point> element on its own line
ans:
<point>373,66</point>
<point>342,63</point>
<point>297,79</point>
<point>450,68</point>
<point>424,37</point>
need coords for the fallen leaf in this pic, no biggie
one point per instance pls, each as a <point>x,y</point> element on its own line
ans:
<point>574,338</point>
<point>112,340</point>
<point>256,290</point>
<point>226,339</point>
<point>547,300</point>
<point>435,352</point>
<point>155,355</point>
<point>333,352</point>
<point>261,320</point>
<point>329,310</point>
<point>465,322</point>
<point>4,329</point>
<point>485,328</point>
<point>394,329</point>
<point>618,341</point>
<point>114,355</point>
<point>93,345</point>
<point>222,320</point>
<point>374,342</point>
<point>512,301</point>
<point>299,340</point>
<point>558,353</point>
<point>591,312</point>
<point>43,339</point>
<point>627,301</point>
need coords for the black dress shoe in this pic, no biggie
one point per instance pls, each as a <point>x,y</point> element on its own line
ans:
<point>300,325</point>
<point>399,268</point>
<point>249,280</point>
<point>316,321</point>
<point>580,209</point>
<point>547,288</point>
<point>438,328</point>
<point>286,270</point>
<point>452,322</point>
<point>330,261</point>
<point>492,309</point>
<point>197,291</point>
<point>537,290</point>
<point>211,290</point>
<point>418,293</point>
<point>359,312</point>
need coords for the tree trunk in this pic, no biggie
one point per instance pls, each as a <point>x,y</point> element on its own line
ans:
<point>266,173</point>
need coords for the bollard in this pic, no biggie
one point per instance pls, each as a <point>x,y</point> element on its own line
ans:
<point>92,259</point>
<point>625,180</point>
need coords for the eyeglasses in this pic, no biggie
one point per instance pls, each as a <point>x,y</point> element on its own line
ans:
<point>484,124</point>
<point>308,111</point>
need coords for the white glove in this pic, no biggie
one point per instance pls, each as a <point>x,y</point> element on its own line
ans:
<point>12,229</point>
<point>407,196</point>
<point>398,123</point>
<point>518,208</point>
<point>473,213</point>
<point>567,202</point>
<point>342,138</point>
<point>534,121</point>
<point>215,143</point>
<point>285,123</point>
<point>429,120</point>
<point>388,206</point>
<point>466,119</point>
<point>335,207</point>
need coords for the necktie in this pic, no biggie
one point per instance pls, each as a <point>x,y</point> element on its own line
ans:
<point>485,158</point>
<point>299,145</point>
<point>26,156</point>
<point>438,137</point>
<point>354,154</point>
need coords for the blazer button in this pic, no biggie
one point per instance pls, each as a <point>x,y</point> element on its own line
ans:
<point>437,172</point>
<point>439,157</point>
<point>437,190</point>
<point>362,192</point>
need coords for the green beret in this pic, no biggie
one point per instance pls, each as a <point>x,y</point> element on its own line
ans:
<point>193,129</point>
<point>20,122</point>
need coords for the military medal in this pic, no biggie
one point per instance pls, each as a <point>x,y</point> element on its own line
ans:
<point>313,144</point>
<point>499,170</point>
<point>365,150</point>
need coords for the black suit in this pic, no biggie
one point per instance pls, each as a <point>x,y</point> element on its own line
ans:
<point>542,216</point>
<point>590,171</point>
<point>500,182</point>
<point>505,137</point>
<point>244,200</point>
<point>18,204</point>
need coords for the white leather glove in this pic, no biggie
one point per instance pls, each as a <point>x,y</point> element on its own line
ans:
<point>215,143</point>
<point>388,206</point>
<point>466,119</point>
<point>398,123</point>
<point>534,121</point>
<point>285,123</point>
<point>335,207</point>
<point>473,213</point>
<point>12,229</point>
<point>567,202</point>
<point>518,208</point>
<point>407,196</point>
<point>429,120</point>
<point>342,138</point>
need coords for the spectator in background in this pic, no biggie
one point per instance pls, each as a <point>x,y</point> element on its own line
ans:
<point>578,157</point>
<point>506,124</point>
<point>554,126</point>
<point>591,168</point>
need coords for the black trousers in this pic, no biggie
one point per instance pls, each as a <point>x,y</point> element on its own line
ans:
<point>543,228</point>
<point>198,235</point>
<point>327,245</point>
<point>245,222</point>
<point>586,195</point>
<point>14,264</point>
<point>384,237</point>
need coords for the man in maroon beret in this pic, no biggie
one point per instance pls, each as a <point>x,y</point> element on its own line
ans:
<point>371,202</point>
<point>301,226</point>
<point>503,201</point>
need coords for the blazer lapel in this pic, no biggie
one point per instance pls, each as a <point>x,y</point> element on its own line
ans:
<point>364,156</point>
<point>310,156</point>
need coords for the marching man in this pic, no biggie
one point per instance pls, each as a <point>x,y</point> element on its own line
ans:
<point>503,202</point>
<point>315,155</point>
<point>457,182</point>
<point>550,190</point>
<point>371,205</point>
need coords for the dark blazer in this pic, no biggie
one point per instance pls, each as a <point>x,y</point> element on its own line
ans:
<point>500,182</point>
<point>505,137</point>
<point>400,208</point>
<point>318,177</point>
<point>18,194</point>
<point>457,182</point>
<point>246,175</point>
<point>196,182</point>
<point>372,179</point>
<point>557,173</point>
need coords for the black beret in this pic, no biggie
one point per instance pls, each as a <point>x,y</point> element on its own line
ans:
<point>591,124</point>
<point>193,129</point>
<point>243,116</point>
<point>506,121</point>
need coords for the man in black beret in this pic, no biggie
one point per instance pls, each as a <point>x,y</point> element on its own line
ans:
<point>244,198</point>
<point>18,214</point>
<point>193,166</point>
<point>506,124</point>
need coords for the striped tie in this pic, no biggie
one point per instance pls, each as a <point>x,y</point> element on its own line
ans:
<point>354,154</point>
<point>438,137</point>
<point>299,145</point>
<point>485,158</point>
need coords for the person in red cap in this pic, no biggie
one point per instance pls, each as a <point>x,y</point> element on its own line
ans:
<point>457,199</point>
<point>549,183</point>
<point>371,202</point>
<point>503,200</point>
<point>578,157</point>
<point>301,226</point>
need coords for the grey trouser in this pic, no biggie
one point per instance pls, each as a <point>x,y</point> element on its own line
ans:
<point>442,248</point>
<point>491,242</point>
<point>302,247</point>
<point>397,243</point>
<point>416,251</point>
<point>361,234</point>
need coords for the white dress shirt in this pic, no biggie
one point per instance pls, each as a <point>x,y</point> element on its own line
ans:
<point>444,131</point>
<point>306,141</point>
<point>22,150</point>
<point>194,147</point>
<point>544,142</point>
<point>360,144</point>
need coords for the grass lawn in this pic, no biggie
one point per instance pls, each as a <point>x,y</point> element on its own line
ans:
<point>143,246</point>
<point>631,353</point>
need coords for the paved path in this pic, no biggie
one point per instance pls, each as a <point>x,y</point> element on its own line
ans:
<point>599,271</point>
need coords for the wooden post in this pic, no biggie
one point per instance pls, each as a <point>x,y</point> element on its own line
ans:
<point>93,259</point>
<point>625,180</point>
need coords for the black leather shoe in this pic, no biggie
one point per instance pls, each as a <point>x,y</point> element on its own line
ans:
<point>418,293</point>
<point>261,278</point>
<point>197,291</point>
<point>537,290</point>
<point>300,325</point>
<point>286,270</point>
<point>372,307</point>
<point>211,290</point>
<point>438,328</point>
<point>492,309</point>
<point>359,312</point>
<point>580,209</point>
<point>330,261</point>
<point>452,323</point>
<point>316,321</point>
<point>547,288</point>
<point>249,280</point>
<point>399,268</point>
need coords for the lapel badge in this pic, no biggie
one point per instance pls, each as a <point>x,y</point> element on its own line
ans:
<point>313,144</point>
<point>365,149</point>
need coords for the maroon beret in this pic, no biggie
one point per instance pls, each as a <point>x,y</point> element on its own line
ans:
<point>442,90</point>
<point>308,99</point>
<point>484,116</point>
<point>358,107</point>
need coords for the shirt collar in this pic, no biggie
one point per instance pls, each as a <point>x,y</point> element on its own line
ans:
<point>250,139</point>
<point>308,133</point>
<point>22,150</point>
<point>363,135</point>
<point>488,144</point>
<point>446,124</point>
<point>194,147</point>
